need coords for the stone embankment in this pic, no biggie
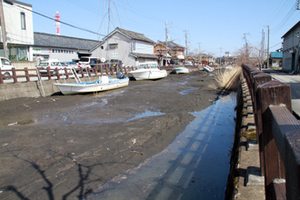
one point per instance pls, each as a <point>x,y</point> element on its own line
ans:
<point>248,182</point>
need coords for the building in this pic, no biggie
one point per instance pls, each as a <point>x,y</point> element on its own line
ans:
<point>276,58</point>
<point>64,48</point>
<point>290,51</point>
<point>130,47</point>
<point>19,30</point>
<point>170,52</point>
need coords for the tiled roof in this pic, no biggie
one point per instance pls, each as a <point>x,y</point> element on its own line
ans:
<point>171,45</point>
<point>49,40</point>
<point>141,55</point>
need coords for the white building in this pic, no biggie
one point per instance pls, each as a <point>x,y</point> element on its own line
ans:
<point>64,48</point>
<point>130,47</point>
<point>19,30</point>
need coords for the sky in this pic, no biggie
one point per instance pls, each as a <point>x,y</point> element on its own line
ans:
<point>209,26</point>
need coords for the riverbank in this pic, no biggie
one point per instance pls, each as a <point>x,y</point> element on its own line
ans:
<point>64,146</point>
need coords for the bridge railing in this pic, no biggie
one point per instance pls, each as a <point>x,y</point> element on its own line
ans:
<point>278,134</point>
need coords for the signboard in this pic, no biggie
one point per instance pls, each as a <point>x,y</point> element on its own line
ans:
<point>114,55</point>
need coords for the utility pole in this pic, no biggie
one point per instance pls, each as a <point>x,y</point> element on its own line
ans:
<point>220,54</point>
<point>262,48</point>
<point>200,53</point>
<point>3,30</point>
<point>186,42</point>
<point>268,47</point>
<point>166,43</point>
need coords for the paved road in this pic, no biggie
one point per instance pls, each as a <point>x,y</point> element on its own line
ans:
<point>294,82</point>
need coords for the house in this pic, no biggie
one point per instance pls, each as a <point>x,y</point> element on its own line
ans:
<point>19,30</point>
<point>64,48</point>
<point>130,47</point>
<point>290,51</point>
<point>276,58</point>
<point>171,51</point>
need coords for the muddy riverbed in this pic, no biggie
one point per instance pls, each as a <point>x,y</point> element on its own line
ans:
<point>62,147</point>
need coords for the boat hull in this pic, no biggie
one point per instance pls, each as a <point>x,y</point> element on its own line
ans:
<point>148,74</point>
<point>77,88</point>
<point>181,70</point>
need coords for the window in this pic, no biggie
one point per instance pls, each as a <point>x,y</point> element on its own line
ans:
<point>113,46</point>
<point>23,22</point>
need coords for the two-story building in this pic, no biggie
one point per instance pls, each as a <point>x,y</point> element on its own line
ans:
<point>169,52</point>
<point>19,30</point>
<point>130,47</point>
<point>290,51</point>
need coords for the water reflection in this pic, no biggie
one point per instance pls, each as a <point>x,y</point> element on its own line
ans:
<point>147,113</point>
<point>194,166</point>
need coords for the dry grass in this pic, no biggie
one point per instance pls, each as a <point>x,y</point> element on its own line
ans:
<point>229,78</point>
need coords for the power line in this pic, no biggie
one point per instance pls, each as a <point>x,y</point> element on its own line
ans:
<point>67,24</point>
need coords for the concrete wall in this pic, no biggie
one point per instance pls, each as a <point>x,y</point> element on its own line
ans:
<point>32,89</point>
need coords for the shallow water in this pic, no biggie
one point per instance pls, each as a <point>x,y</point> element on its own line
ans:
<point>194,166</point>
<point>147,113</point>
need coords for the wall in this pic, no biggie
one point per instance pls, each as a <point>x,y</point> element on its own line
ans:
<point>289,48</point>
<point>15,34</point>
<point>32,89</point>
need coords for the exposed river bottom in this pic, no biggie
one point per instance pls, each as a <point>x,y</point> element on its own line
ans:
<point>164,139</point>
<point>194,166</point>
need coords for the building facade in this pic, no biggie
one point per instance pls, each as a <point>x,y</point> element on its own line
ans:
<point>127,46</point>
<point>290,51</point>
<point>64,48</point>
<point>19,30</point>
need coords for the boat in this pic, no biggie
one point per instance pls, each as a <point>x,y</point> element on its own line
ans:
<point>180,70</point>
<point>102,84</point>
<point>147,71</point>
<point>208,68</point>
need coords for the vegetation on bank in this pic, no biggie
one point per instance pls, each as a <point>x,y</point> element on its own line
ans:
<point>228,79</point>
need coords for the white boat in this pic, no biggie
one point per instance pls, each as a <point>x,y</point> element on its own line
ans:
<point>147,71</point>
<point>208,68</point>
<point>101,84</point>
<point>180,69</point>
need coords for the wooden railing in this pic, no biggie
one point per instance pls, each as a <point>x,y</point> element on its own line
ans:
<point>278,134</point>
<point>66,73</point>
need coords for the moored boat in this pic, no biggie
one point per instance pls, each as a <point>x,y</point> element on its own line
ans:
<point>102,84</point>
<point>180,69</point>
<point>208,68</point>
<point>147,71</point>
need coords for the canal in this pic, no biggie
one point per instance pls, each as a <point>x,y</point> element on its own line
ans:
<point>194,166</point>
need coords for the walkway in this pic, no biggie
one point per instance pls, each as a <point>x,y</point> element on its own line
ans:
<point>294,82</point>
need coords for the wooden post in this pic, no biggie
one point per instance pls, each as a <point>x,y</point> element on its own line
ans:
<point>27,74</point>
<point>1,77</point>
<point>272,93</point>
<point>14,75</point>
<point>259,79</point>
<point>57,73</point>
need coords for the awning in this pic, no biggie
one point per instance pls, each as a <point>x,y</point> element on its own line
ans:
<point>83,53</point>
<point>141,55</point>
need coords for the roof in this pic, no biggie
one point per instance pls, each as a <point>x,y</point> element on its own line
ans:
<point>293,28</point>
<point>131,35</point>
<point>141,55</point>
<point>18,2</point>
<point>276,54</point>
<point>171,45</point>
<point>50,40</point>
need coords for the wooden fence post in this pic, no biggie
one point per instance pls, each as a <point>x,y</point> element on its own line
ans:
<point>14,75</point>
<point>259,79</point>
<point>292,149</point>
<point>272,93</point>
<point>27,74</point>
<point>1,77</point>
